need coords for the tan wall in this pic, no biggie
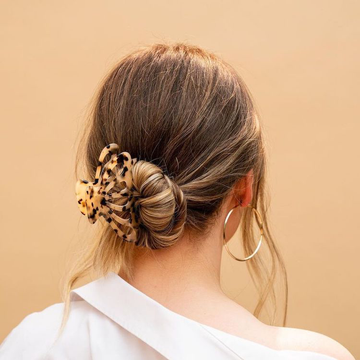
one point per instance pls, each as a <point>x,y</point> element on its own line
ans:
<point>301,61</point>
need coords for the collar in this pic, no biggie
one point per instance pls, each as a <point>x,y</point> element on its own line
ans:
<point>171,334</point>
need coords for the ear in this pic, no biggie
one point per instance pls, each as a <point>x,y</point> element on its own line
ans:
<point>243,189</point>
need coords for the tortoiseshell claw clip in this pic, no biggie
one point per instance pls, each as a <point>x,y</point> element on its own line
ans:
<point>112,190</point>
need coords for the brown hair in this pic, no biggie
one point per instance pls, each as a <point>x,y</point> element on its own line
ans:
<point>186,113</point>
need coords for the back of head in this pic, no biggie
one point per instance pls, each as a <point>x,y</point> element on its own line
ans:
<point>185,113</point>
<point>190,121</point>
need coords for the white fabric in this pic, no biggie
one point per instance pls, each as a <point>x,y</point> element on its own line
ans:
<point>111,319</point>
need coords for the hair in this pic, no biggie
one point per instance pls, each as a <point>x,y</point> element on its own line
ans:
<point>191,122</point>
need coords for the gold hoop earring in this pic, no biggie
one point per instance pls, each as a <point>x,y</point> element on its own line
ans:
<point>260,227</point>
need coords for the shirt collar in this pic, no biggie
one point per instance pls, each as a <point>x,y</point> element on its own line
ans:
<point>171,334</point>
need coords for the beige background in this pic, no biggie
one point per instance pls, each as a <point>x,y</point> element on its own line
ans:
<point>301,61</point>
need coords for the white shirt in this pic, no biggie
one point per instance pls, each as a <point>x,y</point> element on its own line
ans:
<point>110,319</point>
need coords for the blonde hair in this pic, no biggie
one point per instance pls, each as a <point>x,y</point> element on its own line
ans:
<point>185,113</point>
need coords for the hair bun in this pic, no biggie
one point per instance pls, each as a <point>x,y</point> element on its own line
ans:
<point>160,204</point>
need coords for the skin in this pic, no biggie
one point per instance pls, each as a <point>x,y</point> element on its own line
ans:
<point>186,279</point>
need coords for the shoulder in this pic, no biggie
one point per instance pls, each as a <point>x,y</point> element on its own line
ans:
<point>33,335</point>
<point>37,332</point>
<point>306,340</point>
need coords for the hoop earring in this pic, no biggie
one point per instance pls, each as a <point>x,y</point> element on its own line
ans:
<point>260,227</point>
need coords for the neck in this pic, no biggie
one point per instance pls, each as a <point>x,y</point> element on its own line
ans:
<point>187,272</point>
<point>180,273</point>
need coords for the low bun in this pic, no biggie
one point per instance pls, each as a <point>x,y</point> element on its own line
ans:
<point>160,205</point>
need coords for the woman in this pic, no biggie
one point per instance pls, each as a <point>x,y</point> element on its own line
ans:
<point>175,153</point>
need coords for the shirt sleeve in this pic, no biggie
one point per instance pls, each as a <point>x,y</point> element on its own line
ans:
<point>33,336</point>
